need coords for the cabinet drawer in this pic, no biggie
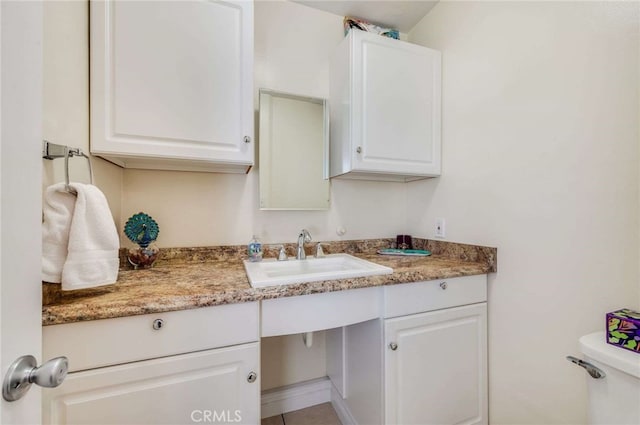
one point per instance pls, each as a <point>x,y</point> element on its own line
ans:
<point>106,342</point>
<point>410,298</point>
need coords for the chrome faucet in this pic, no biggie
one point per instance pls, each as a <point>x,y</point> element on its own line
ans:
<point>303,237</point>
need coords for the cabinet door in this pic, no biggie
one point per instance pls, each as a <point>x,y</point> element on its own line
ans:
<point>438,372</point>
<point>207,386</point>
<point>396,106</point>
<point>171,84</point>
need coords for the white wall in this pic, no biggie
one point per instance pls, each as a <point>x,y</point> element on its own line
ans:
<point>66,98</point>
<point>286,360</point>
<point>540,158</point>
<point>293,44</point>
<point>292,48</point>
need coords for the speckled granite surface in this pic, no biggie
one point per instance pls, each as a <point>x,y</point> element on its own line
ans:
<point>185,278</point>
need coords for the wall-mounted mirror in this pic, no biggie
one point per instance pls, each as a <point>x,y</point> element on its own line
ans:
<point>294,147</point>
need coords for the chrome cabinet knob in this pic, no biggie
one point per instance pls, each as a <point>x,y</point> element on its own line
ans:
<point>158,324</point>
<point>443,285</point>
<point>252,377</point>
<point>393,346</point>
<point>24,372</point>
<point>247,139</point>
<point>359,149</point>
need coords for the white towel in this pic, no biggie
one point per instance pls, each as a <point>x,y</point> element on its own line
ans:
<point>58,209</point>
<point>91,251</point>
<point>92,258</point>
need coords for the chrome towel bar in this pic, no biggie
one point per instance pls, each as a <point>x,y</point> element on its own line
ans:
<point>53,151</point>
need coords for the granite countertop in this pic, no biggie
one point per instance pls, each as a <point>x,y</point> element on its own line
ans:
<point>192,278</point>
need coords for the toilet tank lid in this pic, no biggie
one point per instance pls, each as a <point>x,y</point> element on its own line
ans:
<point>595,346</point>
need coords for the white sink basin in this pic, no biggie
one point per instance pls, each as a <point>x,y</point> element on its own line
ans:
<point>271,272</point>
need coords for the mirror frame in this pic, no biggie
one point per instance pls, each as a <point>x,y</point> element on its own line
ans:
<point>325,148</point>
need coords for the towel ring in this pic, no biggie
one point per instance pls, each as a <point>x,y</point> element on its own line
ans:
<point>53,151</point>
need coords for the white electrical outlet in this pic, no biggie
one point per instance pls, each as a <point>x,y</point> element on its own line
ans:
<point>440,227</point>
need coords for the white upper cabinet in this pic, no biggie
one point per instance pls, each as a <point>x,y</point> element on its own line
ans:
<point>172,84</point>
<point>385,109</point>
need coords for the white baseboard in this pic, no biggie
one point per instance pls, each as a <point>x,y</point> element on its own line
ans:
<point>341,408</point>
<point>294,397</point>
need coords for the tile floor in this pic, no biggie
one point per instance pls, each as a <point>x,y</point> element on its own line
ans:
<point>321,414</point>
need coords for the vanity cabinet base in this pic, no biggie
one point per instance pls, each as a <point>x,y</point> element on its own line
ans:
<point>436,367</point>
<point>207,386</point>
<point>424,361</point>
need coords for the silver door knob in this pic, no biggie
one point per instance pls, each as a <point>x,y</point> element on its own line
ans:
<point>393,346</point>
<point>252,377</point>
<point>24,372</point>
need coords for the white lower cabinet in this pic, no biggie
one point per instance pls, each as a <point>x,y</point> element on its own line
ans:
<point>209,386</point>
<point>436,367</point>
<point>423,362</point>
<point>413,353</point>
<point>180,367</point>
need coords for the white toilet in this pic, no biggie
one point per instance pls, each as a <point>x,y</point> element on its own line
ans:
<point>614,398</point>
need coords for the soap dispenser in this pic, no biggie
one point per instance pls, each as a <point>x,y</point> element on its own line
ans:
<point>254,249</point>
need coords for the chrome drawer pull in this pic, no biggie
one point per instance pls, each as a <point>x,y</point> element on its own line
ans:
<point>443,285</point>
<point>158,324</point>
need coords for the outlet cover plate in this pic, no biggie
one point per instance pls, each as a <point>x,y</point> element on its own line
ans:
<point>440,228</point>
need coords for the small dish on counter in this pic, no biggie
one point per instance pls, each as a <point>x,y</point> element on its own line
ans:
<point>408,252</point>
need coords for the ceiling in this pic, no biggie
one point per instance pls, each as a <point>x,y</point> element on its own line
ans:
<point>397,14</point>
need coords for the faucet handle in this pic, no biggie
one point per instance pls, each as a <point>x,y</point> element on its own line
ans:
<point>304,233</point>
<point>282,254</point>
<point>319,250</point>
